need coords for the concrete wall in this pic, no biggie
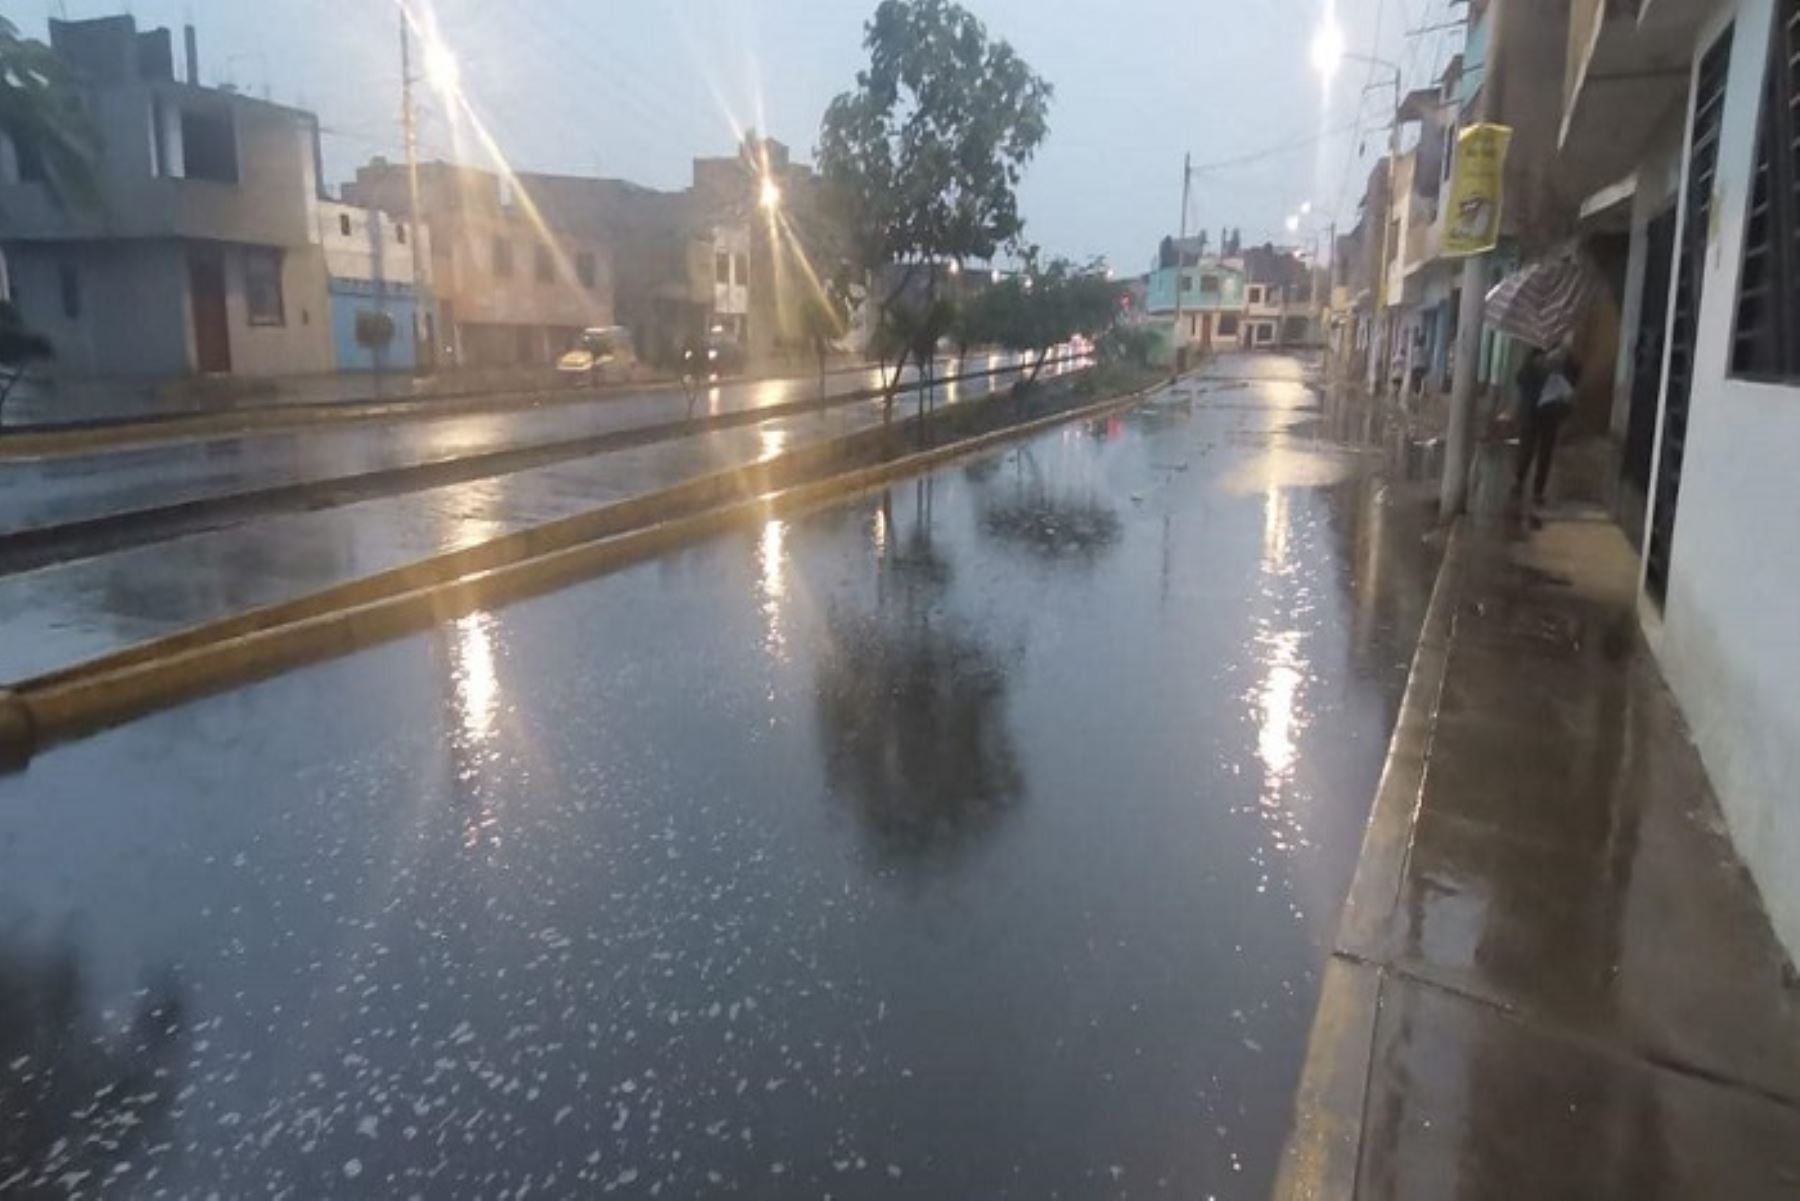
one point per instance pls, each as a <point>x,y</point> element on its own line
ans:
<point>133,317</point>
<point>350,298</point>
<point>301,344</point>
<point>1729,638</point>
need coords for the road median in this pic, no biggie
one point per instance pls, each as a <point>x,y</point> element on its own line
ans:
<point>334,621</point>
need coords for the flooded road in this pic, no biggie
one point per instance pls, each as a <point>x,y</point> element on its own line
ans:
<point>980,838</point>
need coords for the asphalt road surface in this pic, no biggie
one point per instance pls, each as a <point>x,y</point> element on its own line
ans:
<point>982,838</point>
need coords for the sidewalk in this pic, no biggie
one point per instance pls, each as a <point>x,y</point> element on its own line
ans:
<point>1552,978</point>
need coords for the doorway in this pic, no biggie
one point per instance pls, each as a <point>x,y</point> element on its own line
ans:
<point>206,294</point>
<point>1646,377</point>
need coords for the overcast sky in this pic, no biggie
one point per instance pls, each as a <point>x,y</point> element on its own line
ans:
<point>635,88</point>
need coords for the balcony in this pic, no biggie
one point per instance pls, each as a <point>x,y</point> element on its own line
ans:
<point>1625,80</point>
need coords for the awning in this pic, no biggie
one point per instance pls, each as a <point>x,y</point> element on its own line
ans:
<point>1541,302</point>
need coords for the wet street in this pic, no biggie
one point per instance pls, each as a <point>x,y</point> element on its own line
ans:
<point>980,838</point>
<point>37,493</point>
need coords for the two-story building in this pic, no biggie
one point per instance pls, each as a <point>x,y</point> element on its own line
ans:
<point>375,262</point>
<point>1213,300</point>
<point>511,289</point>
<point>201,252</point>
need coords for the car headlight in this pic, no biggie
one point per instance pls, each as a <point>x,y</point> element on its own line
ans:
<point>712,355</point>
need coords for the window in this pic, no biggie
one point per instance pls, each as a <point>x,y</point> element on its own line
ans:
<point>542,266</point>
<point>69,283</point>
<point>400,232</point>
<point>722,268</point>
<point>209,146</point>
<point>344,224</point>
<point>743,269</point>
<point>1228,325</point>
<point>1764,345</point>
<point>262,286</point>
<point>502,258</point>
<point>1256,294</point>
<point>1187,282</point>
<point>584,269</point>
<point>1209,285</point>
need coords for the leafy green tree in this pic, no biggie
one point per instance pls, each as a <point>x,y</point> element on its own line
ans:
<point>824,320</point>
<point>924,155</point>
<point>19,349</point>
<point>1040,309</point>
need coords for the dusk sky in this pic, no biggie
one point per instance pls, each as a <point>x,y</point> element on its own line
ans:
<point>636,89</point>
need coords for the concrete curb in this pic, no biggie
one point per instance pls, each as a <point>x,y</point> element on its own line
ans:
<point>1321,1158</point>
<point>27,443</point>
<point>23,550</point>
<point>114,688</point>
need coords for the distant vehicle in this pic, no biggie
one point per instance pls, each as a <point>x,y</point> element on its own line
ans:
<point>716,354</point>
<point>600,355</point>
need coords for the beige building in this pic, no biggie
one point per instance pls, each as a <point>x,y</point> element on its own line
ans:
<point>513,286</point>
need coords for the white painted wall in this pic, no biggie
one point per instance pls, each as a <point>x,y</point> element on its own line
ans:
<point>371,249</point>
<point>1730,633</point>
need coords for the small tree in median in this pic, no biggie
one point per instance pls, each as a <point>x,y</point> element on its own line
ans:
<point>19,348</point>
<point>375,333</point>
<point>1038,310</point>
<point>923,156</point>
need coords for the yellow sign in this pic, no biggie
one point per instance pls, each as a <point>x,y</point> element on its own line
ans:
<point>1472,225</point>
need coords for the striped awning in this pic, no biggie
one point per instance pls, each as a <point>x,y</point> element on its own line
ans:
<point>1541,302</point>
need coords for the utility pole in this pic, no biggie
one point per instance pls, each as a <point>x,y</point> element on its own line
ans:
<point>1459,443</point>
<point>1387,224</point>
<point>409,130</point>
<point>1187,177</point>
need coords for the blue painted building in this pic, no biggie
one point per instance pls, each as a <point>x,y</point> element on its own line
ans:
<point>1213,298</point>
<point>369,258</point>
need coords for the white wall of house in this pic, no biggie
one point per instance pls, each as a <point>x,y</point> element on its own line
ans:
<point>1729,637</point>
<point>369,245</point>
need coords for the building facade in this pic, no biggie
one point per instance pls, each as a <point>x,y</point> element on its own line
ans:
<point>201,253</point>
<point>376,263</point>
<point>511,289</point>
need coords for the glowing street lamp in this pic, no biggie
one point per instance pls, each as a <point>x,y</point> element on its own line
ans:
<point>1327,49</point>
<point>953,267</point>
<point>1293,223</point>
<point>441,69</point>
<point>770,195</point>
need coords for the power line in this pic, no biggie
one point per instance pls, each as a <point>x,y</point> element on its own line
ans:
<point>1256,156</point>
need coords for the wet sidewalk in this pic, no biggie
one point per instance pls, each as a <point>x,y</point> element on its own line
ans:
<point>1553,978</point>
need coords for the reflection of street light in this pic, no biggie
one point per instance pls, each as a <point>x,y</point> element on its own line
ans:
<point>770,196</point>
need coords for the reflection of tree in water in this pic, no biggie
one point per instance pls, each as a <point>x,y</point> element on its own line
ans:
<point>1048,523</point>
<point>914,718</point>
<point>912,707</point>
<point>77,1098</point>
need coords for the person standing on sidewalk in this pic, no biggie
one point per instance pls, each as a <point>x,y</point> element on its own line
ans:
<point>1546,397</point>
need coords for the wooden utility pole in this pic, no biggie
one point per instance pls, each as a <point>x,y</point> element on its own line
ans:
<point>1187,178</point>
<point>423,354</point>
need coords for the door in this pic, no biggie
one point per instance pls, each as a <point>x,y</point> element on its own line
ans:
<point>1646,375</point>
<point>1690,272</point>
<point>206,294</point>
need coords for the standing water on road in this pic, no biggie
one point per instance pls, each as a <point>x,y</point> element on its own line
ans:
<point>981,838</point>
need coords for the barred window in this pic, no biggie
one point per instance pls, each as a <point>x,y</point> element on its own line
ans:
<point>1766,343</point>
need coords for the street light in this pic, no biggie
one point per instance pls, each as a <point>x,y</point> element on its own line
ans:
<point>770,195</point>
<point>1293,223</point>
<point>1327,49</point>
<point>954,267</point>
<point>441,69</point>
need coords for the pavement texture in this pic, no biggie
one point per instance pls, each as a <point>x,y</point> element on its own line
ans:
<point>982,837</point>
<point>1553,978</point>
<point>59,615</point>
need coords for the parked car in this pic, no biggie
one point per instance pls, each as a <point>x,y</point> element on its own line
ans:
<point>600,355</point>
<point>716,354</point>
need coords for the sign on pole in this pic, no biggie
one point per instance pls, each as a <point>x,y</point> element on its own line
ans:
<point>1473,225</point>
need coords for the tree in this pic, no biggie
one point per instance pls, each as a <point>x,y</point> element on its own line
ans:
<point>41,112</point>
<point>1038,310</point>
<point>922,157</point>
<point>19,348</point>
<point>375,333</point>
<point>824,319</point>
